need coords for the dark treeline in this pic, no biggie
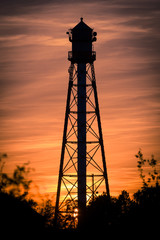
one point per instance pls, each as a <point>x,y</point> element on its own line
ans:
<point>19,214</point>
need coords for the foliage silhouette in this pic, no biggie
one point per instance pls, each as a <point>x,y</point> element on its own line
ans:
<point>150,170</point>
<point>139,214</point>
<point>47,211</point>
<point>17,216</point>
<point>112,215</point>
<point>17,185</point>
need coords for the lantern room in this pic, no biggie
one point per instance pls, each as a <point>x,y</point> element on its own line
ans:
<point>82,37</point>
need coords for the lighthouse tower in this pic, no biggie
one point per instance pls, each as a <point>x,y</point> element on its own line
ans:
<point>83,171</point>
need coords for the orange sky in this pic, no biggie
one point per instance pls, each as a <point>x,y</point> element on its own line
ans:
<point>34,81</point>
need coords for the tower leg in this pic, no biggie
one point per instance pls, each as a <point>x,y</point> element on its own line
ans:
<point>100,131</point>
<point>81,142</point>
<point>63,144</point>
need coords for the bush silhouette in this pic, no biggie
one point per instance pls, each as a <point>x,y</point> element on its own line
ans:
<point>115,214</point>
<point>17,216</point>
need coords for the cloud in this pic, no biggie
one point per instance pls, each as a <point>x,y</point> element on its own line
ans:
<point>111,8</point>
<point>34,78</point>
<point>22,7</point>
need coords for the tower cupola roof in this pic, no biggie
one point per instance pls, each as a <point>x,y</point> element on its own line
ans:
<point>81,26</point>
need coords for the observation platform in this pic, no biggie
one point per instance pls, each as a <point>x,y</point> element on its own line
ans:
<point>82,57</point>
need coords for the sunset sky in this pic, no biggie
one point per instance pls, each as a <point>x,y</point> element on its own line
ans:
<point>34,81</point>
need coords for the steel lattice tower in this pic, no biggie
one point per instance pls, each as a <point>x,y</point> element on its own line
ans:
<point>82,169</point>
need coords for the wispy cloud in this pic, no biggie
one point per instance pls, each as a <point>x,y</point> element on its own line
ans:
<point>34,79</point>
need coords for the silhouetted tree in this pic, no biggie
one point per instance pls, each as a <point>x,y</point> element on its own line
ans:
<point>18,218</point>
<point>3,176</point>
<point>103,214</point>
<point>148,170</point>
<point>17,185</point>
<point>47,211</point>
<point>121,213</point>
